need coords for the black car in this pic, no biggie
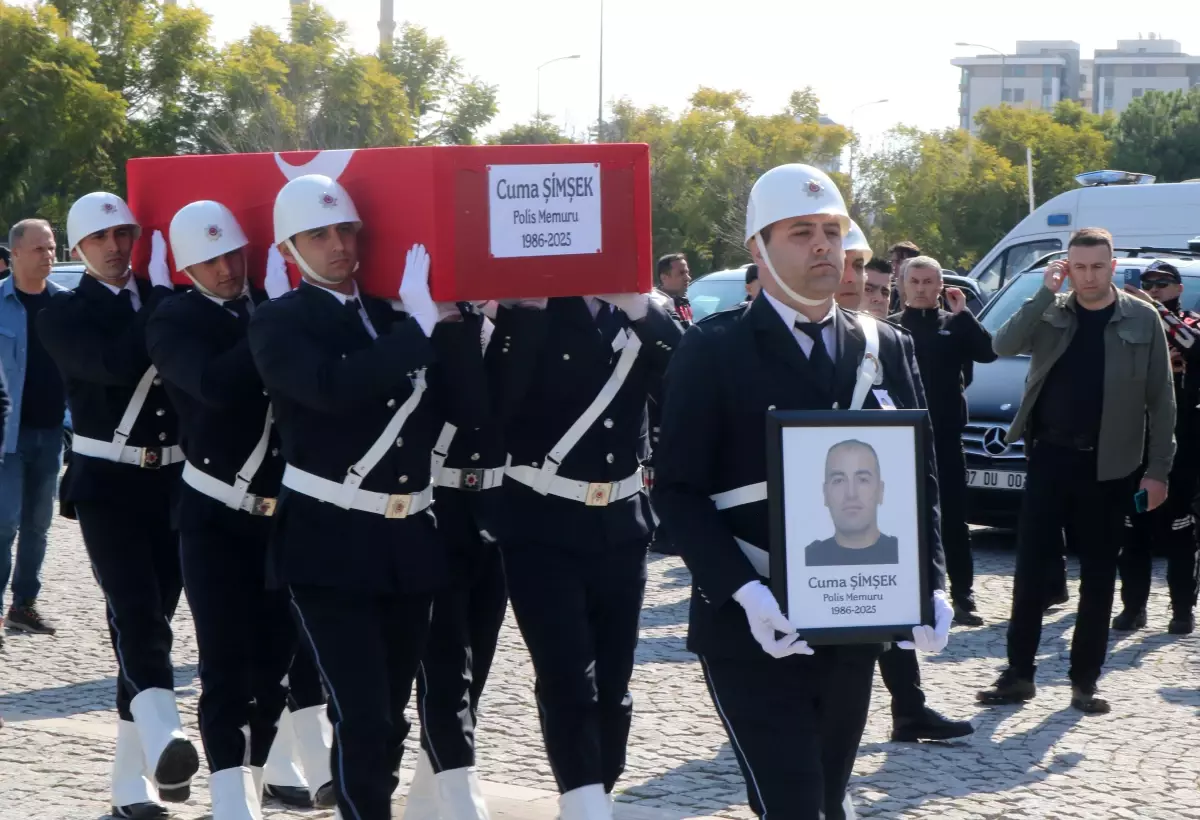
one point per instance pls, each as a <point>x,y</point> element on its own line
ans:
<point>995,467</point>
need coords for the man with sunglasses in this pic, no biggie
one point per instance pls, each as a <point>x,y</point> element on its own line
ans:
<point>1171,526</point>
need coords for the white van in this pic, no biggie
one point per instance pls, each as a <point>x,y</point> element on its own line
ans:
<point>1137,212</point>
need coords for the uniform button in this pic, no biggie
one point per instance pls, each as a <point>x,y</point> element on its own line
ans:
<point>399,442</point>
<point>162,436</point>
<point>206,461</point>
<point>608,424</point>
<point>566,357</point>
<point>403,479</point>
<point>264,392</point>
<point>609,458</point>
<point>770,407</point>
<point>391,402</point>
<point>474,456</point>
<point>534,464</point>
<point>158,382</point>
<point>835,405</point>
<point>160,412</point>
<point>274,451</point>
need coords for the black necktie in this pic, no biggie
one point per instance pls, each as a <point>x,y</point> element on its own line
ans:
<point>819,359</point>
<point>126,298</point>
<point>241,308</point>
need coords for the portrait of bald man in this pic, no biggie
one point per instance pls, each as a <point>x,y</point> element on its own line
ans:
<point>853,492</point>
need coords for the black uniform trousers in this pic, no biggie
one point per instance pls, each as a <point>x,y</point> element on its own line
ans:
<point>462,643</point>
<point>135,558</point>
<point>578,612</point>
<point>366,646</point>
<point>901,673</point>
<point>303,681</point>
<point>1172,527</point>
<point>956,534</point>
<point>245,635</point>
<point>1061,490</point>
<point>795,724</point>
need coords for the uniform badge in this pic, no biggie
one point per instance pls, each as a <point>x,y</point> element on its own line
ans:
<point>814,188</point>
<point>328,200</point>
<point>214,232</point>
<point>108,208</point>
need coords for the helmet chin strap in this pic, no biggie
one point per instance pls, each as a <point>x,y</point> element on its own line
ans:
<point>791,294</point>
<point>202,289</point>
<point>91,269</point>
<point>309,272</point>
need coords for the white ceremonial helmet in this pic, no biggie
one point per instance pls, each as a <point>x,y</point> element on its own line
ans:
<point>856,240</point>
<point>307,203</point>
<point>204,230</point>
<point>97,212</point>
<point>787,192</point>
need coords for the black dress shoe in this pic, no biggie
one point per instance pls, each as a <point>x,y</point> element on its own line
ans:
<point>1128,620</point>
<point>175,794</point>
<point>1087,700</point>
<point>1057,599</point>
<point>966,617</point>
<point>141,811</point>
<point>326,799</point>
<point>294,797</point>
<point>1182,624</point>
<point>928,725</point>
<point>1008,688</point>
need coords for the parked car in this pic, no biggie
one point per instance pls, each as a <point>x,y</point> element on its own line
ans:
<point>995,466</point>
<point>67,275</point>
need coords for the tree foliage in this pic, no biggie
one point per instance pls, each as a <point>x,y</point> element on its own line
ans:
<point>541,130</point>
<point>1160,134</point>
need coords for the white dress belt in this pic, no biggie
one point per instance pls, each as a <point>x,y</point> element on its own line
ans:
<point>471,480</point>
<point>592,494</point>
<point>149,458</point>
<point>227,494</point>
<point>334,492</point>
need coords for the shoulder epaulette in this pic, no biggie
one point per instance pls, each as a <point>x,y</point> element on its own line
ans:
<point>727,315</point>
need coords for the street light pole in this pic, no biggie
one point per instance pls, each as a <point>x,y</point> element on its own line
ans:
<point>854,138</point>
<point>1002,62</point>
<point>539,80</point>
<point>600,107</point>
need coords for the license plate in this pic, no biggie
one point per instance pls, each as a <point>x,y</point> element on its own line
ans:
<point>996,479</point>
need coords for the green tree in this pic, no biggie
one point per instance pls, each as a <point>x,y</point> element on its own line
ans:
<point>1159,134</point>
<point>538,131</point>
<point>60,125</point>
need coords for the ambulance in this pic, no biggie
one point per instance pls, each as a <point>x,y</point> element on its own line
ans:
<point>1136,211</point>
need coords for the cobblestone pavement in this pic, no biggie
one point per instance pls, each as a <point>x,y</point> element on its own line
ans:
<point>1040,761</point>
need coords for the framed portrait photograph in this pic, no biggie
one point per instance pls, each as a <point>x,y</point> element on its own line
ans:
<point>846,492</point>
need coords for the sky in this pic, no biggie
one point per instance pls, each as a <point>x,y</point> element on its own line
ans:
<point>661,51</point>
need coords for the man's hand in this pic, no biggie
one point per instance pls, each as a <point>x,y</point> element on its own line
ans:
<point>528,304</point>
<point>1156,492</point>
<point>765,619</point>
<point>1056,274</point>
<point>634,305</point>
<point>956,299</point>
<point>160,274</point>
<point>932,638</point>
<point>414,289</point>
<point>276,282</point>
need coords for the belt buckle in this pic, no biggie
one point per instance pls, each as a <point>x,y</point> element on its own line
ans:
<point>398,506</point>
<point>150,458</point>
<point>262,506</point>
<point>599,495</point>
<point>472,480</point>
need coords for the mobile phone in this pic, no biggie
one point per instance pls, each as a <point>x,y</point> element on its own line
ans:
<point>1141,501</point>
<point>1133,276</point>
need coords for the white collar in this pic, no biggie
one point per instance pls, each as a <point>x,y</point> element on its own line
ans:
<point>341,297</point>
<point>790,316</point>
<point>129,285</point>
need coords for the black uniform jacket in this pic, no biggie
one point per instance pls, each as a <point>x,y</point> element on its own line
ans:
<point>546,367</point>
<point>947,346</point>
<point>99,345</point>
<point>202,351</point>
<point>334,390</point>
<point>732,368</point>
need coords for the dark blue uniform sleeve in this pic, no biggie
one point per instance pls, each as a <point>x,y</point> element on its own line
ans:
<point>458,379</point>
<point>933,510</point>
<point>660,334</point>
<point>186,357</point>
<point>512,357</point>
<point>686,471</point>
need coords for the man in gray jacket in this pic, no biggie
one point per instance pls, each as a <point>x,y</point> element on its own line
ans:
<point>1100,368</point>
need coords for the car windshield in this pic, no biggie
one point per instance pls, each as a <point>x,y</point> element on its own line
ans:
<point>710,294</point>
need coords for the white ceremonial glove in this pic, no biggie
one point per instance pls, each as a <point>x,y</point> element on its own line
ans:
<point>488,309</point>
<point>933,638</point>
<point>414,289</point>
<point>635,305</point>
<point>529,304</point>
<point>160,274</point>
<point>765,617</point>
<point>276,282</point>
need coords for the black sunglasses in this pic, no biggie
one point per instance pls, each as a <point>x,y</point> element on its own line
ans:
<point>1156,284</point>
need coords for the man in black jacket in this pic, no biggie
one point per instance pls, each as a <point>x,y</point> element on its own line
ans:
<point>361,392</point>
<point>793,714</point>
<point>198,341</point>
<point>121,480</point>
<point>570,380</point>
<point>948,344</point>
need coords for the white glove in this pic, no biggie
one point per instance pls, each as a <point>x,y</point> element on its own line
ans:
<point>160,274</point>
<point>529,304</point>
<point>765,617</point>
<point>276,282</point>
<point>414,289</point>
<point>635,305</point>
<point>933,638</point>
<point>488,309</point>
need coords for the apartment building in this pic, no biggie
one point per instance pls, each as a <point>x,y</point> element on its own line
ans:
<point>1043,72</point>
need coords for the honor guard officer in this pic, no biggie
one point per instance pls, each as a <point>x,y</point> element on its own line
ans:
<point>794,714</point>
<point>355,541</point>
<point>570,380</point>
<point>1172,525</point>
<point>468,466</point>
<point>198,341</point>
<point>120,482</point>
<point>852,288</point>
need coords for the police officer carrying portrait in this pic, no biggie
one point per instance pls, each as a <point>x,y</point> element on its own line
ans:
<point>198,341</point>
<point>361,391</point>
<point>120,483</point>
<point>570,378</point>
<point>1171,527</point>
<point>468,468</point>
<point>793,713</point>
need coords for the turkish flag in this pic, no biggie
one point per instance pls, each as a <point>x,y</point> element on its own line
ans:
<point>500,222</point>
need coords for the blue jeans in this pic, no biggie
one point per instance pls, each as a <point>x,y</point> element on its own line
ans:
<point>28,479</point>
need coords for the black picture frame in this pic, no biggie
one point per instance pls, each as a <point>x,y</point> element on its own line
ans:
<point>780,420</point>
